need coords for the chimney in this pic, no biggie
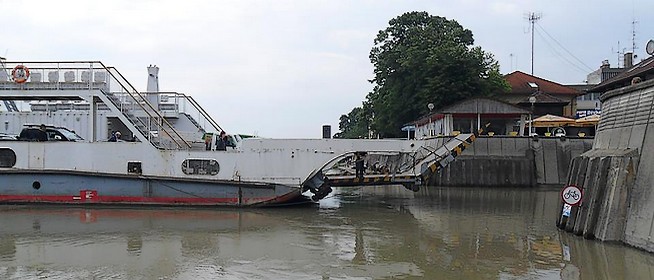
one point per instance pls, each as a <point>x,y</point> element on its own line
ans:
<point>628,60</point>
<point>605,64</point>
<point>326,131</point>
<point>153,86</point>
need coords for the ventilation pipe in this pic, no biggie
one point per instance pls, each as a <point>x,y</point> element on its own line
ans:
<point>153,86</point>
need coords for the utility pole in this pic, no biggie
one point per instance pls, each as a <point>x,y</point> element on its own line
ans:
<point>532,18</point>
<point>511,55</point>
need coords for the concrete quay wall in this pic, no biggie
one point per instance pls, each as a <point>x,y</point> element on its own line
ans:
<point>617,174</point>
<point>509,161</point>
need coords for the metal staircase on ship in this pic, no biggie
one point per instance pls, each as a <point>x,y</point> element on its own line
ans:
<point>104,84</point>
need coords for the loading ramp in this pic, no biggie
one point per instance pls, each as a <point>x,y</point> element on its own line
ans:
<point>378,168</point>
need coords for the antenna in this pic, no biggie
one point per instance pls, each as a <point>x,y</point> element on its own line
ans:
<point>532,18</point>
<point>620,53</point>
<point>633,29</point>
<point>633,36</point>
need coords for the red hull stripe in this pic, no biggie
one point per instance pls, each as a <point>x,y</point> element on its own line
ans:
<point>124,199</point>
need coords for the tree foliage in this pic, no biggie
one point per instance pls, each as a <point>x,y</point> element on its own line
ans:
<point>355,124</point>
<point>421,59</point>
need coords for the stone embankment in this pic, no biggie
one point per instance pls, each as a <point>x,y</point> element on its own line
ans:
<point>616,175</point>
<point>509,161</point>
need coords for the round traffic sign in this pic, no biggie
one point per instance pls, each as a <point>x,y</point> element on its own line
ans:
<point>571,194</point>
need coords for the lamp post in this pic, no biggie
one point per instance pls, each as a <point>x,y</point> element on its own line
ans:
<point>532,100</point>
<point>430,106</point>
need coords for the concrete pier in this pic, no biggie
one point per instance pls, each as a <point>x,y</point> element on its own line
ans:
<point>510,161</point>
<point>616,175</point>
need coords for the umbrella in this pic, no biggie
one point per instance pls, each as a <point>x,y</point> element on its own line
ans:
<point>551,121</point>
<point>591,120</point>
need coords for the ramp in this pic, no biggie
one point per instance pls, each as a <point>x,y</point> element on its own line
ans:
<point>365,168</point>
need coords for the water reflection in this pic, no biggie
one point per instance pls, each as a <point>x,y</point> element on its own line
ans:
<point>368,233</point>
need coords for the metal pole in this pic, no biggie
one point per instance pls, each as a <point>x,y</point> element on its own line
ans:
<point>531,119</point>
<point>532,100</point>
<point>430,134</point>
<point>533,18</point>
<point>430,106</point>
<point>532,47</point>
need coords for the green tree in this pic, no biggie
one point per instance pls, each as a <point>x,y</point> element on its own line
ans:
<point>421,59</point>
<point>355,124</point>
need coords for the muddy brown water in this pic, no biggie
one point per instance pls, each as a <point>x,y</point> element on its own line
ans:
<point>364,233</point>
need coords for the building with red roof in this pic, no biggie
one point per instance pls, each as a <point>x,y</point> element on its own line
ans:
<point>507,112</point>
<point>548,97</point>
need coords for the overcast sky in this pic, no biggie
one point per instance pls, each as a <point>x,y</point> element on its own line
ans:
<point>284,68</point>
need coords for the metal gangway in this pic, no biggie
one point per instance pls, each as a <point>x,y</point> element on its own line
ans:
<point>375,168</point>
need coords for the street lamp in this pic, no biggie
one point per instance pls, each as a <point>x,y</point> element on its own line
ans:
<point>430,106</point>
<point>532,100</point>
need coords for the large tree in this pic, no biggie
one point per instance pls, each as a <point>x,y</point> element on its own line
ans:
<point>421,59</point>
<point>355,124</point>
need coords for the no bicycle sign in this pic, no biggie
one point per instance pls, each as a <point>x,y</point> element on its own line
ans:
<point>571,194</point>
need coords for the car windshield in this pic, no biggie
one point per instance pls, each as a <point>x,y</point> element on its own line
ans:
<point>4,136</point>
<point>69,134</point>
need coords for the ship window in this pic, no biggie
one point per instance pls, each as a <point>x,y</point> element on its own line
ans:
<point>134,167</point>
<point>7,157</point>
<point>200,167</point>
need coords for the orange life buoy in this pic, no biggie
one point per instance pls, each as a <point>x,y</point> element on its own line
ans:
<point>20,74</point>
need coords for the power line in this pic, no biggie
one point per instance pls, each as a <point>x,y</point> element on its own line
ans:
<point>562,47</point>
<point>558,54</point>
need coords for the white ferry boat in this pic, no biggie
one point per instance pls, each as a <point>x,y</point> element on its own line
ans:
<point>168,151</point>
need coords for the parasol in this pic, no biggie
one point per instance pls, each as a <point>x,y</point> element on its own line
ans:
<point>591,120</point>
<point>551,121</point>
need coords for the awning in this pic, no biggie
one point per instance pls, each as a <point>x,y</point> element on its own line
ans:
<point>409,128</point>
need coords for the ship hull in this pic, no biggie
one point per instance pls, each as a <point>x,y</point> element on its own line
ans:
<point>90,188</point>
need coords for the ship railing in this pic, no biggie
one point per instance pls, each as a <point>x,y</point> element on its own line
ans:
<point>53,76</point>
<point>74,76</point>
<point>160,132</point>
<point>172,104</point>
<point>204,118</point>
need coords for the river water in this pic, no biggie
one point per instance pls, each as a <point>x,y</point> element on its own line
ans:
<point>366,233</point>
